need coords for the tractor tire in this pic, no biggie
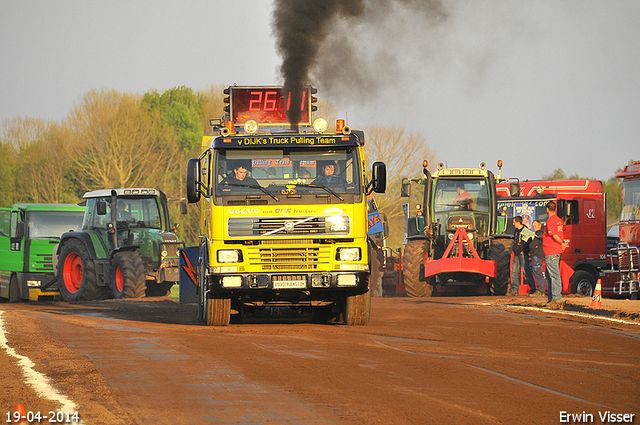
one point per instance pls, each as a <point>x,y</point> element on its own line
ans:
<point>155,289</point>
<point>412,258</point>
<point>77,279</point>
<point>217,311</point>
<point>357,309</point>
<point>500,252</point>
<point>128,275</point>
<point>583,283</point>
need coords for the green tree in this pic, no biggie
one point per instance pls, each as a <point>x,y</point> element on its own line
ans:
<point>36,157</point>
<point>180,109</point>
<point>115,143</point>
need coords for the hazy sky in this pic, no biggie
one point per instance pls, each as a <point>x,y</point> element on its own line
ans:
<point>539,84</point>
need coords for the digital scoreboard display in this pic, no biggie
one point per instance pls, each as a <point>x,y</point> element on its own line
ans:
<point>267,105</point>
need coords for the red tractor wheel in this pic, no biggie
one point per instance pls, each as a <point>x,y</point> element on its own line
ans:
<point>72,272</point>
<point>77,279</point>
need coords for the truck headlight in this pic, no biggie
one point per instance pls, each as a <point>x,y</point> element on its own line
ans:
<point>349,254</point>
<point>229,256</point>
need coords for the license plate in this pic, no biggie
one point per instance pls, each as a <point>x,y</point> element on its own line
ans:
<point>289,284</point>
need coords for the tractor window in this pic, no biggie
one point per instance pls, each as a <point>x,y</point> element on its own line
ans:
<point>131,213</point>
<point>470,195</point>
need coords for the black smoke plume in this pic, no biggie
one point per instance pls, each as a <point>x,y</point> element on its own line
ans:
<point>301,26</point>
<point>350,47</point>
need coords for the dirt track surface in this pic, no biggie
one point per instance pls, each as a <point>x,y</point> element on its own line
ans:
<point>438,360</point>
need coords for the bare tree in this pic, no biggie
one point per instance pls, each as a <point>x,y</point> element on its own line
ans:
<point>114,142</point>
<point>402,151</point>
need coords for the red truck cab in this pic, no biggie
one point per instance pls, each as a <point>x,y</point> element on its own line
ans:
<point>581,205</point>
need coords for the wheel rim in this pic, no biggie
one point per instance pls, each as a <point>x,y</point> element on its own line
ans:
<point>119,279</point>
<point>584,288</point>
<point>72,272</point>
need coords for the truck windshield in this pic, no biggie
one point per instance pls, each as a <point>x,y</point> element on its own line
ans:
<point>52,224</point>
<point>287,172</point>
<point>630,200</point>
<point>461,194</point>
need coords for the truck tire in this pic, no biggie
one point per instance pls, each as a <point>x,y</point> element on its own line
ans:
<point>76,272</point>
<point>582,283</point>
<point>13,290</point>
<point>128,275</point>
<point>357,309</point>
<point>412,258</point>
<point>218,311</point>
<point>375,273</point>
<point>500,252</point>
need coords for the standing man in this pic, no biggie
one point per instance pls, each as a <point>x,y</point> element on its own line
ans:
<point>553,245</point>
<point>520,255</point>
<point>537,255</point>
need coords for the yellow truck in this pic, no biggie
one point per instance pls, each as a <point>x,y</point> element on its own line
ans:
<point>283,212</point>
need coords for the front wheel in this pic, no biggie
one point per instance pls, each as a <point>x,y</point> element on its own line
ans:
<point>414,254</point>
<point>357,309</point>
<point>500,252</point>
<point>218,311</point>
<point>76,273</point>
<point>13,290</point>
<point>582,283</point>
<point>128,275</point>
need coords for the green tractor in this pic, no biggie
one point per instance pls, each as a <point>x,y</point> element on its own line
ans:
<point>125,248</point>
<point>456,240</point>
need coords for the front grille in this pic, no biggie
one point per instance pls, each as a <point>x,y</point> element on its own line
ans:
<point>628,260</point>
<point>273,258</point>
<point>44,263</point>
<point>289,226</point>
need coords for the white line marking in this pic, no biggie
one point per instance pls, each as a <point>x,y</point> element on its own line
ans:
<point>38,381</point>
<point>568,313</point>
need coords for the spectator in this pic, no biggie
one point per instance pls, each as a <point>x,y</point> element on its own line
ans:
<point>553,245</point>
<point>520,249</point>
<point>537,255</point>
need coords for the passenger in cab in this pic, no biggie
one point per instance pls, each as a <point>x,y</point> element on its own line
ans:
<point>328,176</point>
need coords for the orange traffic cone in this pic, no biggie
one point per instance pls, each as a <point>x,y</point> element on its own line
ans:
<point>597,295</point>
<point>22,413</point>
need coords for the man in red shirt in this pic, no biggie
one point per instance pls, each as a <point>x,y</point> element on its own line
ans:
<point>553,245</point>
<point>463,198</point>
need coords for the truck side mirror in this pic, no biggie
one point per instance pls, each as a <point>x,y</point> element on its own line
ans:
<point>514,189</point>
<point>183,207</point>
<point>18,232</point>
<point>405,191</point>
<point>101,207</point>
<point>193,180</point>
<point>385,224</point>
<point>379,173</point>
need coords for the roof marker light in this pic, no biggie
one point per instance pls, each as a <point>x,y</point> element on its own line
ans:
<point>320,125</point>
<point>251,126</point>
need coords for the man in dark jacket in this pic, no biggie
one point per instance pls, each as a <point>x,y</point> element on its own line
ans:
<point>537,255</point>
<point>520,248</point>
<point>239,177</point>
